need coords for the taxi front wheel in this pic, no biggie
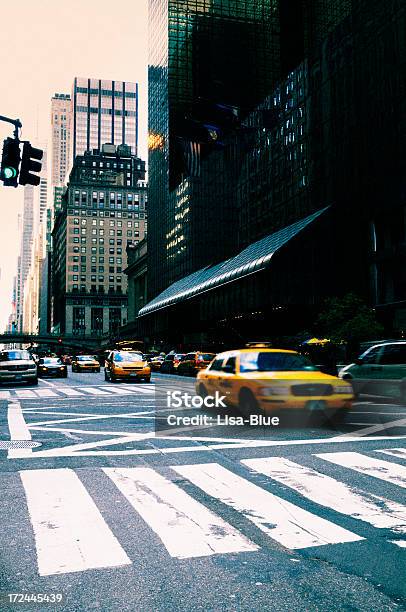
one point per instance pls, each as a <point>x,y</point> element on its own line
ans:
<point>247,403</point>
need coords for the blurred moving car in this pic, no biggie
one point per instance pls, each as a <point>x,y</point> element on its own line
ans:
<point>380,370</point>
<point>255,380</point>
<point>155,363</point>
<point>193,362</point>
<point>126,365</point>
<point>17,366</point>
<point>52,366</point>
<point>171,362</point>
<point>85,363</point>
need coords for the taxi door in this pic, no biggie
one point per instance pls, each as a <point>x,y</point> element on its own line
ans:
<point>227,382</point>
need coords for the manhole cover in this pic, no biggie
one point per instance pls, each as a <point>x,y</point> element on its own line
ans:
<point>19,444</point>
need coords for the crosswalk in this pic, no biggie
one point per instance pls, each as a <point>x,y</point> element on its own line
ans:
<point>72,535</point>
<point>65,391</point>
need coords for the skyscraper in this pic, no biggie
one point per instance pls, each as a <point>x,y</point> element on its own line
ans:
<point>197,55</point>
<point>61,121</point>
<point>103,112</point>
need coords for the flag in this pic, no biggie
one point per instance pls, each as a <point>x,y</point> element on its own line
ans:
<point>192,158</point>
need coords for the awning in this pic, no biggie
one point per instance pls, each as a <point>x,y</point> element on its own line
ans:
<point>254,258</point>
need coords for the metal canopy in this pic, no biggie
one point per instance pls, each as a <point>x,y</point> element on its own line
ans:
<point>254,258</point>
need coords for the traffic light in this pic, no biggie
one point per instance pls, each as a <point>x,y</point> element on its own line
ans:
<point>30,165</point>
<point>10,162</point>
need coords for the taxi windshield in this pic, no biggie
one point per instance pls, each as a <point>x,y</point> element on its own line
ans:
<point>275,362</point>
<point>127,356</point>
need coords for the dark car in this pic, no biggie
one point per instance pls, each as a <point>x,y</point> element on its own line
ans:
<point>193,362</point>
<point>171,362</point>
<point>52,366</point>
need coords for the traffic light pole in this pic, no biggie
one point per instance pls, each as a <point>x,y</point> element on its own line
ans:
<point>16,122</point>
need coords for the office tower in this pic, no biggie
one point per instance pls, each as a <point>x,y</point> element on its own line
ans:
<point>103,210</point>
<point>197,56</point>
<point>61,124</point>
<point>26,232</point>
<point>103,112</point>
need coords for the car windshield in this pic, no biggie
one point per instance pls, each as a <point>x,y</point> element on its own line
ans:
<point>52,360</point>
<point>86,358</point>
<point>275,362</point>
<point>127,356</point>
<point>14,355</point>
<point>206,357</point>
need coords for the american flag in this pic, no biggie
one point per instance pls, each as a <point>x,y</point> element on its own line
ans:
<point>192,158</point>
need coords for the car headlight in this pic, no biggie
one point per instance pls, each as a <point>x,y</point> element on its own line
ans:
<point>346,389</point>
<point>273,391</point>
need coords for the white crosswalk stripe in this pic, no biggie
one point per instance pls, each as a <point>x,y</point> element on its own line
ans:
<point>70,533</point>
<point>24,393</point>
<point>148,390</point>
<point>185,526</point>
<point>72,536</point>
<point>45,393</point>
<point>385,470</point>
<point>69,391</point>
<point>395,452</point>
<point>120,391</point>
<point>329,492</point>
<point>286,523</point>
<point>95,391</point>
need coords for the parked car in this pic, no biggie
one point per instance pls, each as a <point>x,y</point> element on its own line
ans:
<point>52,366</point>
<point>380,370</point>
<point>18,366</point>
<point>265,380</point>
<point>193,362</point>
<point>126,365</point>
<point>85,363</point>
<point>171,362</point>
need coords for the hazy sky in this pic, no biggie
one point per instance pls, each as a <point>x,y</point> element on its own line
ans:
<point>43,46</point>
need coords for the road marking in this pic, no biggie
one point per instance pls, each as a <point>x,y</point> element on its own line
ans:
<point>326,491</point>
<point>70,533</point>
<point>400,543</point>
<point>24,393</point>
<point>18,430</point>
<point>185,526</point>
<point>284,522</point>
<point>45,393</point>
<point>373,429</point>
<point>94,391</point>
<point>69,391</point>
<point>120,391</point>
<point>390,472</point>
<point>148,390</point>
<point>395,452</point>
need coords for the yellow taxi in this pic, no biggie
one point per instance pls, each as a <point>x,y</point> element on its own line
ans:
<point>265,380</point>
<point>126,365</point>
<point>85,363</point>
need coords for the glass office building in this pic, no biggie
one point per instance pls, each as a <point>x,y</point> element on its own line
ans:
<point>196,54</point>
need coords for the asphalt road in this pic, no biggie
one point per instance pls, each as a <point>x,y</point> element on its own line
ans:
<point>107,505</point>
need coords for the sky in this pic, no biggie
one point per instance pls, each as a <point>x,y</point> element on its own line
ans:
<point>43,46</point>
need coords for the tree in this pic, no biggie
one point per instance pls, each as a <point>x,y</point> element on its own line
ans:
<point>348,319</point>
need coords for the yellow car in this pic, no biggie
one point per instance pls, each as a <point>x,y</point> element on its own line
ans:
<point>85,363</point>
<point>126,365</point>
<point>265,380</point>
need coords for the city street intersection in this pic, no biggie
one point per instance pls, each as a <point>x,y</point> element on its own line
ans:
<point>106,505</point>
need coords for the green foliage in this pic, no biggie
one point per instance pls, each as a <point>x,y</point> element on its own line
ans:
<point>348,319</point>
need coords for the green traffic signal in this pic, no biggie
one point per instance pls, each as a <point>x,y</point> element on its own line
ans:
<point>10,162</point>
<point>9,173</point>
